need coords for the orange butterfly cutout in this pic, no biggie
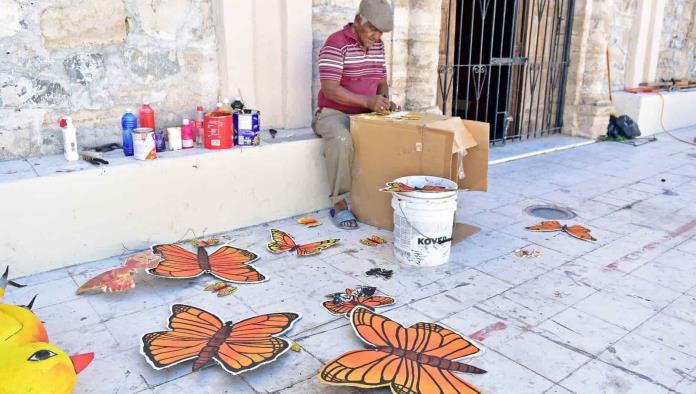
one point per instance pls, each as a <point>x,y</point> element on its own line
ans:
<point>205,242</point>
<point>343,303</point>
<point>374,240</point>
<point>284,242</point>
<point>200,335</point>
<point>418,359</point>
<point>222,289</point>
<point>227,263</point>
<point>309,222</point>
<point>398,187</point>
<point>120,279</point>
<point>576,231</point>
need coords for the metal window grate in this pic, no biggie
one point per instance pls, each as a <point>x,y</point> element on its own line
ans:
<point>505,62</point>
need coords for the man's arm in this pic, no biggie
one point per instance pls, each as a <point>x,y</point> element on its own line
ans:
<point>383,89</point>
<point>337,93</point>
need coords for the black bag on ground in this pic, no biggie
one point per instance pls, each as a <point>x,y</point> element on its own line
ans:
<point>622,127</point>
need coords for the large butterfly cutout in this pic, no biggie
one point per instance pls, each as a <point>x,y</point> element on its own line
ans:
<point>418,359</point>
<point>227,263</point>
<point>344,303</point>
<point>284,242</point>
<point>576,231</point>
<point>120,279</point>
<point>201,336</point>
<point>398,187</point>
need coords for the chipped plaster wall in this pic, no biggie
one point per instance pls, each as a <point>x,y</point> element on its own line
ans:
<point>677,56</point>
<point>412,48</point>
<point>92,59</point>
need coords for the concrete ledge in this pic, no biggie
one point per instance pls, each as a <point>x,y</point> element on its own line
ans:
<point>56,214</point>
<point>645,109</point>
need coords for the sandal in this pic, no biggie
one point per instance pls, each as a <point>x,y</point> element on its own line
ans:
<point>341,217</point>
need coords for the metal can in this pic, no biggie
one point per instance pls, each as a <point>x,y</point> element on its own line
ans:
<point>246,128</point>
<point>144,144</point>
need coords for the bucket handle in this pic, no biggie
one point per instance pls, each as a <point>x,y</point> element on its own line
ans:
<point>403,214</point>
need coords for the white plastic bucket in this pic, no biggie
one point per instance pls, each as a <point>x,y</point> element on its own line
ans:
<point>423,222</point>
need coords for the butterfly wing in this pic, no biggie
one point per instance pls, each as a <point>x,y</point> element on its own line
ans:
<point>191,329</point>
<point>252,342</point>
<point>232,264</point>
<point>176,262</point>
<point>397,187</point>
<point>443,342</point>
<point>282,242</point>
<point>115,280</point>
<point>315,247</point>
<point>580,232</point>
<point>548,225</point>
<point>339,309</point>
<point>375,301</point>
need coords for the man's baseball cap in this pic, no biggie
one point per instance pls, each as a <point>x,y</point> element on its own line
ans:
<point>378,12</point>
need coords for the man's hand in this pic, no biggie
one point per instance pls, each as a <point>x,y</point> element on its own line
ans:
<point>378,103</point>
<point>393,107</point>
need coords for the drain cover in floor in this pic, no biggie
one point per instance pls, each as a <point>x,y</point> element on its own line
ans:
<point>550,212</point>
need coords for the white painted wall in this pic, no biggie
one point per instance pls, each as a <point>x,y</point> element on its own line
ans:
<point>645,110</point>
<point>265,51</point>
<point>53,221</point>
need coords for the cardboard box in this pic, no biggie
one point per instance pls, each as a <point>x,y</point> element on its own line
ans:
<point>386,149</point>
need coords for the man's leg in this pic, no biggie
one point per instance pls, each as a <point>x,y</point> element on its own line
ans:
<point>334,127</point>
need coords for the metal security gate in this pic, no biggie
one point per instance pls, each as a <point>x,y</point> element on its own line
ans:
<point>505,62</point>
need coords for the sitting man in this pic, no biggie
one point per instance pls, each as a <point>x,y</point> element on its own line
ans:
<point>353,76</point>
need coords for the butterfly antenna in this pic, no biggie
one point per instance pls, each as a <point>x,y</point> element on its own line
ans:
<point>31,303</point>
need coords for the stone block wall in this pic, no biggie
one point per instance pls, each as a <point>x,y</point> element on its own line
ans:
<point>411,48</point>
<point>92,59</point>
<point>677,57</point>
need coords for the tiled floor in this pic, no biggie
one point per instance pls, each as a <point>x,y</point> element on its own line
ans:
<point>615,316</point>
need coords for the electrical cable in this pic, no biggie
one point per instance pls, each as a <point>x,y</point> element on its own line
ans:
<point>662,124</point>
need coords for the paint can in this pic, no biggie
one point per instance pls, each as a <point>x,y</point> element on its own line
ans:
<point>217,130</point>
<point>144,144</point>
<point>247,127</point>
<point>174,138</point>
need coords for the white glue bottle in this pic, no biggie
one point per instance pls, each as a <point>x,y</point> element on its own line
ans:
<point>69,139</point>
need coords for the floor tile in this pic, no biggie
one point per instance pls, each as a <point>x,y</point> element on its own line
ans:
<point>658,363</point>
<point>598,377</point>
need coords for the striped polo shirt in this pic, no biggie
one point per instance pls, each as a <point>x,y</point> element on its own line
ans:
<point>342,59</point>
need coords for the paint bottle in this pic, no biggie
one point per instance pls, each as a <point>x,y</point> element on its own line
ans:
<point>200,113</point>
<point>237,105</point>
<point>187,135</point>
<point>147,116</point>
<point>218,107</point>
<point>226,105</point>
<point>129,122</point>
<point>174,137</point>
<point>69,139</point>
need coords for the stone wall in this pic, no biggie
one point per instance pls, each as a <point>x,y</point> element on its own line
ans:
<point>92,59</point>
<point>411,49</point>
<point>677,58</point>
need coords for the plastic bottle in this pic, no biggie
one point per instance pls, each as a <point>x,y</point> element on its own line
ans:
<point>129,122</point>
<point>200,113</point>
<point>237,105</point>
<point>69,139</point>
<point>218,107</point>
<point>187,135</point>
<point>147,116</point>
<point>226,105</point>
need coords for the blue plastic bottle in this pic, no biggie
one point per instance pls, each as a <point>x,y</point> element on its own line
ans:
<point>129,122</point>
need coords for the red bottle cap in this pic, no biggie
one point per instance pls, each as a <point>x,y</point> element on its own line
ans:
<point>63,123</point>
<point>199,108</point>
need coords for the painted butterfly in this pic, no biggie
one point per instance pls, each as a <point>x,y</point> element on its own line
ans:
<point>201,336</point>
<point>576,231</point>
<point>284,242</point>
<point>343,303</point>
<point>417,359</point>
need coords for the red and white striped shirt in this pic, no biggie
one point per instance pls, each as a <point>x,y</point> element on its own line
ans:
<point>342,59</point>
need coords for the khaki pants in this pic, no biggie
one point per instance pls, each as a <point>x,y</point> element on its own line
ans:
<point>334,127</point>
